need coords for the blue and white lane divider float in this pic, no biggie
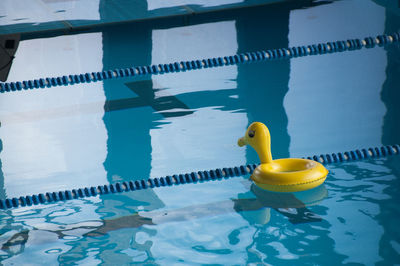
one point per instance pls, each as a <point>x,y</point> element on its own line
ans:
<point>273,54</point>
<point>194,177</point>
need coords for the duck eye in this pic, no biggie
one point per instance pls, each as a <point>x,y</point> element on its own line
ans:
<point>251,133</point>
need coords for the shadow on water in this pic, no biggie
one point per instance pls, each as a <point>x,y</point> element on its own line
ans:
<point>165,105</point>
<point>262,87</point>
<point>132,159</point>
<point>390,94</point>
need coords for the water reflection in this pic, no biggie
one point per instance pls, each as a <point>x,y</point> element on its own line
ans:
<point>255,225</point>
<point>87,233</point>
<point>390,94</point>
<point>67,15</point>
<point>292,205</point>
<point>127,160</point>
<point>128,138</point>
<point>361,192</point>
<point>262,87</point>
<point>120,49</point>
<point>351,81</point>
<point>390,135</point>
<point>132,159</point>
<point>156,4</point>
<point>166,105</point>
<point>16,244</point>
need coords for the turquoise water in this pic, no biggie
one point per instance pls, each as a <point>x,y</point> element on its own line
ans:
<point>126,129</point>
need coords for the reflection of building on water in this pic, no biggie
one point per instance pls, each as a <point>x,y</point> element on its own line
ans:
<point>264,86</point>
<point>390,92</point>
<point>124,46</point>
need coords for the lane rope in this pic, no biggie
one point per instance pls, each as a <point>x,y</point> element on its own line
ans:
<point>250,57</point>
<point>189,178</point>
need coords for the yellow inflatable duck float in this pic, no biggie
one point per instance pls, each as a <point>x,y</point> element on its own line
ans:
<point>281,175</point>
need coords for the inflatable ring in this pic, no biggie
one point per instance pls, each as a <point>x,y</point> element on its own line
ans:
<point>281,175</point>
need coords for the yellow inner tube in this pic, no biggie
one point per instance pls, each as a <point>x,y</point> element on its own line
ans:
<point>281,175</point>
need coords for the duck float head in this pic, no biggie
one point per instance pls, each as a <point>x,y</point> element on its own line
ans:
<point>281,175</point>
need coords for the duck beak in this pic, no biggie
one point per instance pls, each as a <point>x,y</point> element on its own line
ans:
<point>241,142</point>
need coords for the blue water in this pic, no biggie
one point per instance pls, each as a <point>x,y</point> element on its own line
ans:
<point>126,129</point>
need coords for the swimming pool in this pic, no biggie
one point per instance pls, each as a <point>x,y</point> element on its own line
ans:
<point>133,128</point>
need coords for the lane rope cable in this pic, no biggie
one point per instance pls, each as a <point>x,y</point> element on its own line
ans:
<point>189,178</point>
<point>250,57</point>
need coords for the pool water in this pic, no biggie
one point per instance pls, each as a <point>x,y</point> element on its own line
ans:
<point>134,128</point>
